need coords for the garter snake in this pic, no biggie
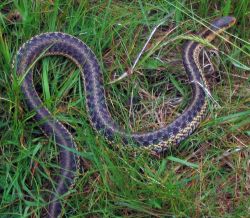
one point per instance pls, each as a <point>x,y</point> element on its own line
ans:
<point>57,43</point>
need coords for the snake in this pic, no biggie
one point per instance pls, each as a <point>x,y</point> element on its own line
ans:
<point>159,140</point>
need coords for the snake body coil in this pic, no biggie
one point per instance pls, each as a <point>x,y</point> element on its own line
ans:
<point>57,43</point>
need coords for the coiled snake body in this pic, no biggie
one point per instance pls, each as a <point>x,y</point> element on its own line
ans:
<point>56,43</point>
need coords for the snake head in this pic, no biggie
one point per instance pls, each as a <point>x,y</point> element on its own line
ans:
<point>223,23</point>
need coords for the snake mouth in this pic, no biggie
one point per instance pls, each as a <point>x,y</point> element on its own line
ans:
<point>232,21</point>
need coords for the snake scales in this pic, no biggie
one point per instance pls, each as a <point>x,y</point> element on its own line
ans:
<point>56,43</point>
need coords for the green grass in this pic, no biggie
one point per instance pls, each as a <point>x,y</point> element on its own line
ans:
<point>208,175</point>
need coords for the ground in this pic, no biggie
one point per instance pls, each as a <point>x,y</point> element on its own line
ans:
<point>207,175</point>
